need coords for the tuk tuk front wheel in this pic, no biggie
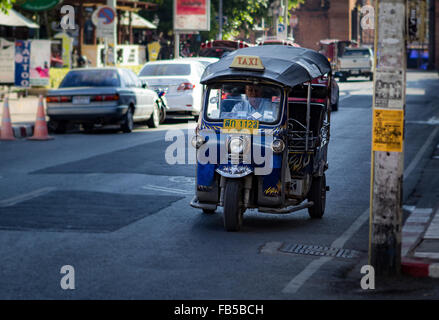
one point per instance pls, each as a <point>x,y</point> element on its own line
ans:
<point>208,211</point>
<point>317,194</point>
<point>233,213</point>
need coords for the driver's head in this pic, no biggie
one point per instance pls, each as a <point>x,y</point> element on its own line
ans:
<point>253,91</point>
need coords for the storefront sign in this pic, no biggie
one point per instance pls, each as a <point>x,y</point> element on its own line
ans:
<point>37,5</point>
<point>66,49</point>
<point>7,64</point>
<point>22,63</point>
<point>40,63</point>
<point>192,15</point>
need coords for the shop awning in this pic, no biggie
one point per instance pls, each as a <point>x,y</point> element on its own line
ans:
<point>16,19</point>
<point>137,22</point>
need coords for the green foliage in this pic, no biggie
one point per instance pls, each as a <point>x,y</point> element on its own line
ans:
<point>5,5</point>
<point>242,15</point>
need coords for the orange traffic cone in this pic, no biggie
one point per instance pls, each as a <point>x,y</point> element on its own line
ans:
<point>7,133</point>
<point>40,129</point>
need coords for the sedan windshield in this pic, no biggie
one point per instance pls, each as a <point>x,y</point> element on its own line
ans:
<point>244,101</point>
<point>165,69</point>
<point>91,78</point>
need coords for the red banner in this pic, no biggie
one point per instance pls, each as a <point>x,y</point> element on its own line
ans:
<point>190,7</point>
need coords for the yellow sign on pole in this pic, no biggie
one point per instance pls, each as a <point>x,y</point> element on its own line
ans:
<point>154,50</point>
<point>388,126</point>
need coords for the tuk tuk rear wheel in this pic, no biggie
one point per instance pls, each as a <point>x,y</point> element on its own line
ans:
<point>233,213</point>
<point>317,194</point>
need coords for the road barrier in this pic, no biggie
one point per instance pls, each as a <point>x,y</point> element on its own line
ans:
<point>41,131</point>
<point>6,131</point>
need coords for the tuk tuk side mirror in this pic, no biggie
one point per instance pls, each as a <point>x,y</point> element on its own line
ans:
<point>144,84</point>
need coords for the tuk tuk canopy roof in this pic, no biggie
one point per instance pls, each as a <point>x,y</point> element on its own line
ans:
<point>286,65</point>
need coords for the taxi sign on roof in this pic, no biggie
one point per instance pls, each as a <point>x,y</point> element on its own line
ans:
<point>247,62</point>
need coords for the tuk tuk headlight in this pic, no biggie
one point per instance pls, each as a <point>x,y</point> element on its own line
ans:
<point>278,146</point>
<point>197,141</point>
<point>236,145</point>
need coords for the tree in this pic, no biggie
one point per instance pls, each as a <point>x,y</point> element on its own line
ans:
<point>242,16</point>
<point>5,5</point>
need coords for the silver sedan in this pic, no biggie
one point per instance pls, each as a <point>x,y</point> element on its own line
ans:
<point>102,96</point>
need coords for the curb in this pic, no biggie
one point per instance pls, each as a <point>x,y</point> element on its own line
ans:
<point>419,268</point>
<point>412,234</point>
<point>23,131</point>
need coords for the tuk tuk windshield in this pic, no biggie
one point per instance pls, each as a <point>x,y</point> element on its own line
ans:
<point>243,101</point>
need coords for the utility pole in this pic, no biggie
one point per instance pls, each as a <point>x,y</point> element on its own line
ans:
<point>388,137</point>
<point>286,22</point>
<point>111,43</point>
<point>220,17</point>
<point>431,35</point>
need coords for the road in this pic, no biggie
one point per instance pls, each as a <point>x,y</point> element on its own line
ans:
<point>109,205</point>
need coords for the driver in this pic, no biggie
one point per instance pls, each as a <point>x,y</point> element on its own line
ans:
<point>255,105</point>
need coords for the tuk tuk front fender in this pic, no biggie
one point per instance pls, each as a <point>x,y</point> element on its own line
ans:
<point>234,170</point>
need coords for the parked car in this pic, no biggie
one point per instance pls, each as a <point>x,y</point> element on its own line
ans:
<point>355,62</point>
<point>275,41</point>
<point>102,96</point>
<point>333,49</point>
<point>180,80</point>
<point>218,48</point>
<point>204,60</point>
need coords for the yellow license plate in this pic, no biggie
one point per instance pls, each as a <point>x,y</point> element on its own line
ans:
<point>240,124</point>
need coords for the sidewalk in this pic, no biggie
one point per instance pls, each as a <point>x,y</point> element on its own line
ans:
<point>23,114</point>
<point>420,233</point>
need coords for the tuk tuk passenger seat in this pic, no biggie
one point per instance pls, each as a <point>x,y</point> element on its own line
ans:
<point>297,111</point>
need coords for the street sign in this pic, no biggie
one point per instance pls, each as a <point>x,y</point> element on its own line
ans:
<point>282,31</point>
<point>294,20</point>
<point>104,18</point>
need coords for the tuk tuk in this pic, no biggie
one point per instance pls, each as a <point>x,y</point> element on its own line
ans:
<point>262,137</point>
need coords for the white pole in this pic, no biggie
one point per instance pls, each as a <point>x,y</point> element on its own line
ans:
<point>176,45</point>
<point>220,16</point>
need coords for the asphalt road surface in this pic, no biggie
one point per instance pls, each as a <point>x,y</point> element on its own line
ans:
<point>110,206</point>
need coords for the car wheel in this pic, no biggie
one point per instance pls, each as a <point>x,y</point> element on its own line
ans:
<point>317,194</point>
<point>128,123</point>
<point>162,114</point>
<point>208,211</point>
<point>57,126</point>
<point>233,213</point>
<point>88,127</point>
<point>154,121</point>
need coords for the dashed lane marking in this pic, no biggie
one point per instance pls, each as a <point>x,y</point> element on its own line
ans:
<point>165,189</point>
<point>25,197</point>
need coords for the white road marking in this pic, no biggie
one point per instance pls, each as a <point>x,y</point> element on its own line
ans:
<point>344,97</point>
<point>418,157</point>
<point>299,280</point>
<point>165,189</point>
<point>24,197</point>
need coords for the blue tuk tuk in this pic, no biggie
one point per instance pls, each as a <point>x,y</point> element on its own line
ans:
<point>263,133</point>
